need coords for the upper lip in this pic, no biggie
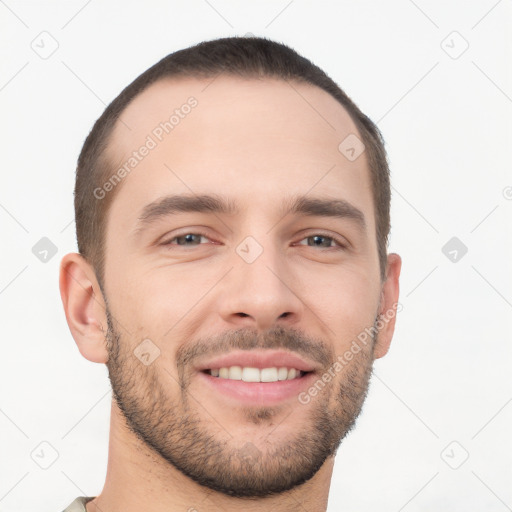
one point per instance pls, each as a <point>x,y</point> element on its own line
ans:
<point>259,359</point>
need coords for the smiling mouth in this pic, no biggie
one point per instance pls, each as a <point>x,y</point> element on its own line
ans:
<point>265,387</point>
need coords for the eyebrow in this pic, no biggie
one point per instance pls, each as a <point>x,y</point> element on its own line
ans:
<point>216,204</point>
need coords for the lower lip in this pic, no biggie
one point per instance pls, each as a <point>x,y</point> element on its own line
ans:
<point>259,393</point>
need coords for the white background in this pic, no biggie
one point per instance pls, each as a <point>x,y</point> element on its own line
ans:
<point>447,126</point>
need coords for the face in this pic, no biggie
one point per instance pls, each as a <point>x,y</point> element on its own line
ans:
<point>251,277</point>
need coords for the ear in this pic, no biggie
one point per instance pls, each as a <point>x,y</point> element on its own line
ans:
<point>389,306</point>
<point>84,307</point>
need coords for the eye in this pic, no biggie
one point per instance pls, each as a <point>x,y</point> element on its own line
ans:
<point>186,239</point>
<point>321,240</point>
<point>193,239</point>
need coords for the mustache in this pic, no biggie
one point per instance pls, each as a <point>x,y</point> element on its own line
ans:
<point>277,337</point>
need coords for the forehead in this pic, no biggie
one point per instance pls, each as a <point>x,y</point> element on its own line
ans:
<point>255,139</point>
<point>265,107</point>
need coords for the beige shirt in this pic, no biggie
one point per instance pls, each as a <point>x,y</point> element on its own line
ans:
<point>79,504</point>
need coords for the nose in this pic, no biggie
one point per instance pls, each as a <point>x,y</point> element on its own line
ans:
<point>261,294</point>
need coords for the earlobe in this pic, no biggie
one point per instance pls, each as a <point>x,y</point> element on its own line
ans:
<point>84,307</point>
<point>389,306</point>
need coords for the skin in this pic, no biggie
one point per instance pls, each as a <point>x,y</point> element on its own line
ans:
<point>174,443</point>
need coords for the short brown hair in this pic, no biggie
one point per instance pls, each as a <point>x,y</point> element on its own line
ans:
<point>247,57</point>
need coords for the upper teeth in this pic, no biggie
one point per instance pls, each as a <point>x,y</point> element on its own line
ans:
<point>249,374</point>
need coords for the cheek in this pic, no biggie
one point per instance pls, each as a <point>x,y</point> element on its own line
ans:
<point>155,300</point>
<point>131,301</point>
<point>346,301</point>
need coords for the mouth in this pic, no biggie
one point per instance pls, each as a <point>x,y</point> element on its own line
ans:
<point>257,377</point>
<point>255,386</point>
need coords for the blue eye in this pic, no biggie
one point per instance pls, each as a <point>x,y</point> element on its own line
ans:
<point>187,237</point>
<point>317,241</point>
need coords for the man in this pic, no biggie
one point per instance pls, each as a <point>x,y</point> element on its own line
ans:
<point>232,214</point>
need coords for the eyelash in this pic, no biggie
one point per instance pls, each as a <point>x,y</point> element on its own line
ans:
<point>341,244</point>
